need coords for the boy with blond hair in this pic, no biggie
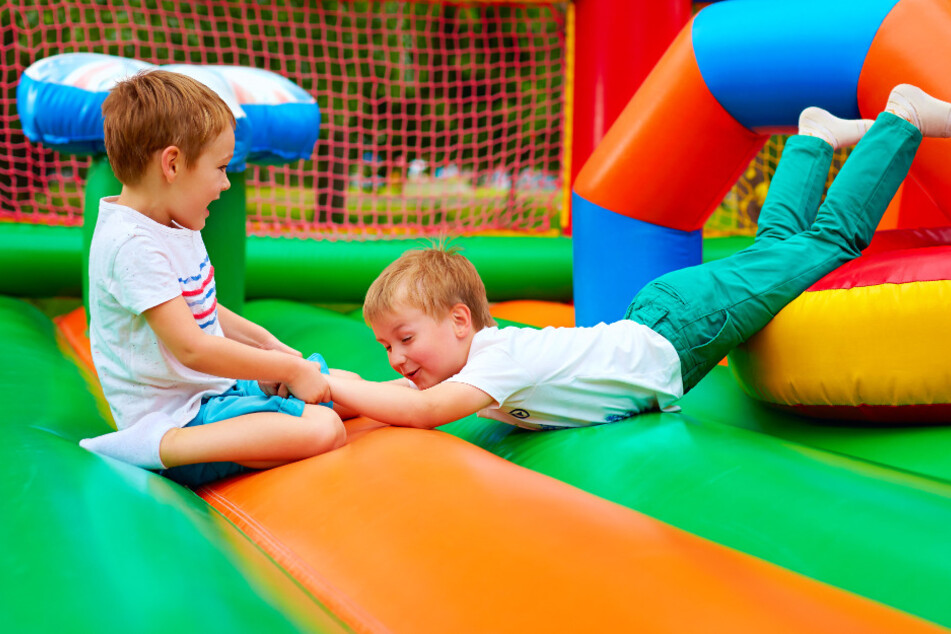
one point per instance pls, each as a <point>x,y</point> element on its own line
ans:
<point>429,310</point>
<point>178,369</point>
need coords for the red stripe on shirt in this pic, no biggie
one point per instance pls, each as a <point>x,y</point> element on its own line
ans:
<point>211,275</point>
<point>205,313</point>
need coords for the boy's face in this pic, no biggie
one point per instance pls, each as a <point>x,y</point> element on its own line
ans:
<point>426,351</point>
<point>202,182</point>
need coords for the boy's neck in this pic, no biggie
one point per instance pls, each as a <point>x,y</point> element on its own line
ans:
<point>144,198</point>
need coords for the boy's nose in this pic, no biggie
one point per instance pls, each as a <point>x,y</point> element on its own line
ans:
<point>227,184</point>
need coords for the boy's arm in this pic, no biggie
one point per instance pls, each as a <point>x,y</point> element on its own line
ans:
<point>176,328</point>
<point>394,404</point>
<point>245,331</point>
<point>249,333</point>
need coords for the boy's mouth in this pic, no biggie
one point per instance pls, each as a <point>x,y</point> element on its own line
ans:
<point>412,375</point>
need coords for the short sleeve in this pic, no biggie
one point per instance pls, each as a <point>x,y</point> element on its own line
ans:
<point>495,372</point>
<point>143,275</point>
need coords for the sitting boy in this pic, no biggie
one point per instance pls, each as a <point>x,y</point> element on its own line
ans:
<point>429,308</point>
<point>178,369</point>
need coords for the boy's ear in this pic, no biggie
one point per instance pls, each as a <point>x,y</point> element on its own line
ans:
<point>171,162</point>
<point>461,318</point>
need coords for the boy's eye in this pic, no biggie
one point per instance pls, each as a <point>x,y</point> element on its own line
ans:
<point>406,339</point>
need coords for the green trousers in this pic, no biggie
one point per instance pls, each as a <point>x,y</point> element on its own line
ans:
<point>707,310</point>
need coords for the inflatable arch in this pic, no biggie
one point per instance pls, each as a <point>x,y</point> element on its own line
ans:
<point>709,105</point>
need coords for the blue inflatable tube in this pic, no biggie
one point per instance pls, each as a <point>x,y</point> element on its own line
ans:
<point>767,61</point>
<point>639,252</point>
<point>59,101</point>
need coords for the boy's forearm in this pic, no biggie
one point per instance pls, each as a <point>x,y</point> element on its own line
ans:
<point>175,326</point>
<point>243,330</point>
<point>388,403</point>
<point>395,404</point>
<point>225,357</point>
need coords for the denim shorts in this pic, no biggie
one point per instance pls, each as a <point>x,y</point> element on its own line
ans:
<point>244,397</point>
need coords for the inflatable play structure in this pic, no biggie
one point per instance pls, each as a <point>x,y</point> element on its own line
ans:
<point>731,515</point>
<point>691,130</point>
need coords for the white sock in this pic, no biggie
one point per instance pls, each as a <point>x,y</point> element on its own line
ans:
<point>835,131</point>
<point>931,116</point>
<point>137,445</point>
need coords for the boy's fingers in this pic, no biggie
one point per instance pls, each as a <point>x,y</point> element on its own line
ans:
<point>268,387</point>
<point>285,348</point>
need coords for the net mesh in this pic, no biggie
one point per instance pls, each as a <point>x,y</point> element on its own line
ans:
<point>437,117</point>
<point>739,212</point>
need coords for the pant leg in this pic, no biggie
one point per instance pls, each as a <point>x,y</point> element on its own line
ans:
<point>795,189</point>
<point>867,182</point>
<point>707,310</point>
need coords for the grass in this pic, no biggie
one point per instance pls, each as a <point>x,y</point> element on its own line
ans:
<point>418,205</point>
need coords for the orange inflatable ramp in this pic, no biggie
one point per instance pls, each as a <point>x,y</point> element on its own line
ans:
<point>406,530</point>
<point>72,328</point>
<point>535,312</point>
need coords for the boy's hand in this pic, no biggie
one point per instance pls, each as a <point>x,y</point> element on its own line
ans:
<point>276,388</point>
<point>276,344</point>
<point>308,384</point>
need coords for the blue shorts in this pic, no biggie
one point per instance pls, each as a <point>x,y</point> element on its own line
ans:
<point>244,397</point>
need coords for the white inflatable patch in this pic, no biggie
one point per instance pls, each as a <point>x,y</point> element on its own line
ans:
<point>285,119</point>
<point>59,99</point>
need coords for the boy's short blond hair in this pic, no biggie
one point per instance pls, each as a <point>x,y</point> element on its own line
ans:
<point>155,109</point>
<point>431,280</point>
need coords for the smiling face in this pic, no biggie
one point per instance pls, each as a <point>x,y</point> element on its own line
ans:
<point>201,181</point>
<point>425,350</point>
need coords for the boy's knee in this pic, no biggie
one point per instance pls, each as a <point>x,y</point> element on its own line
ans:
<point>339,432</point>
<point>329,432</point>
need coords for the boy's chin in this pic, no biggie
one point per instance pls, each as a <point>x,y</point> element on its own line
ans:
<point>424,383</point>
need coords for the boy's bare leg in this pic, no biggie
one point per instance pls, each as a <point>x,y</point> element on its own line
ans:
<point>259,440</point>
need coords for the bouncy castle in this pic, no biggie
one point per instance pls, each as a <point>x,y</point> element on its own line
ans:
<point>577,149</point>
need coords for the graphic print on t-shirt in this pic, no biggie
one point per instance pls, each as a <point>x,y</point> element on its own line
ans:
<point>199,292</point>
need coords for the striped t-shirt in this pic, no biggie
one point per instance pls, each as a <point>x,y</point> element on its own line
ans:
<point>135,264</point>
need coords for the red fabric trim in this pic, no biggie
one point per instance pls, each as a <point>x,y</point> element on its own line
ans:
<point>896,239</point>
<point>938,413</point>
<point>927,264</point>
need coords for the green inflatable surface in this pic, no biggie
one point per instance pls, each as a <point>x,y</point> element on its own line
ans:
<point>119,549</point>
<point>94,545</point>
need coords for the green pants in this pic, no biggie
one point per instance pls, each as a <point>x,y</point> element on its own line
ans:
<point>707,310</point>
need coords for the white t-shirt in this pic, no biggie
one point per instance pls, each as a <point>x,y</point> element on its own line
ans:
<point>572,377</point>
<point>135,264</point>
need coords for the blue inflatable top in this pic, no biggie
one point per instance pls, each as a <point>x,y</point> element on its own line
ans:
<point>59,100</point>
<point>766,61</point>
